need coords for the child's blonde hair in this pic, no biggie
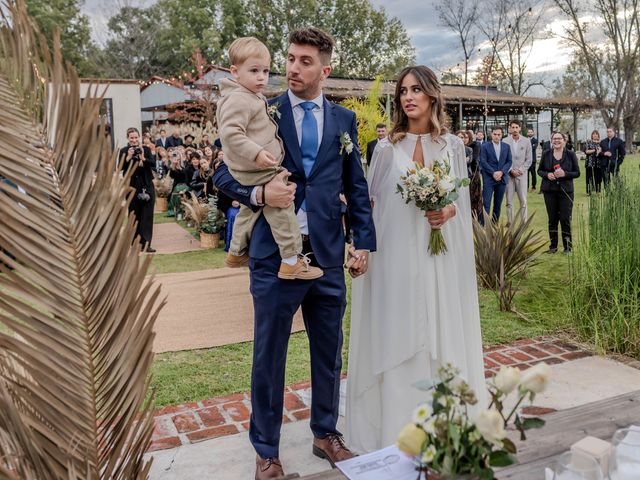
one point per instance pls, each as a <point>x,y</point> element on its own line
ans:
<point>246,47</point>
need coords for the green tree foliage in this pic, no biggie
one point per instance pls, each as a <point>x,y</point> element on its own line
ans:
<point>369,113</point>
<point>64,16</point>
<point>368,41</point>
<point>133,50</point>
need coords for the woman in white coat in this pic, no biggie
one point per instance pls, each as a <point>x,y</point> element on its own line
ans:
<point>412,312</point>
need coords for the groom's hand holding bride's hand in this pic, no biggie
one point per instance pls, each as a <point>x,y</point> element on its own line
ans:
<point>278,192</point>
<point>437,218</point>
<point>357,261</point>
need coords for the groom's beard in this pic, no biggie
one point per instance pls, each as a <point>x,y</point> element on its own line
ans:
<point>300,88</point>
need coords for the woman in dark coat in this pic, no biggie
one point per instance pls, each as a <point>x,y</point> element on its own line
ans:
<point>592,163</point>
<point>475,187</point>
<point>141,160</point>
<point>558,167</point>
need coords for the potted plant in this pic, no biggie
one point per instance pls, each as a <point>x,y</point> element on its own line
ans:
<point>213,224</point>
<point>163,188</point>
<point>447,444</point>
<point>195,211</point>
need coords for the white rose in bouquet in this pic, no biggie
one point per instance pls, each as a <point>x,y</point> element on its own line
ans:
<point>507,379</point>
<point>491,426</point>
<point>536,378</point>
<point>445,185</point>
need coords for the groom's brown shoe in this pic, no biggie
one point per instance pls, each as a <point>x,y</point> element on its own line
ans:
<point>332,448</point>
<point>268,468</point>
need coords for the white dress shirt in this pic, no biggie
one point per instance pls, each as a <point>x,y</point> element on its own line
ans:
<point>497,147</point>
<point>298,115</point>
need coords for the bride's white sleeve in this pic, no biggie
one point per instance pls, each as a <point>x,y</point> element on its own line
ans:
<point>380,168</point>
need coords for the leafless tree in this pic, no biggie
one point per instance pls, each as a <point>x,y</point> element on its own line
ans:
<point>608,48</point>
<point>510,29</point>
<point>460,16</point>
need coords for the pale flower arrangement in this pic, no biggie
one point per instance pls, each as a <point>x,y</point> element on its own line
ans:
<point>346,144</point>
<point>446,444</point>
<point>432,188</point>
<point>274,110</point>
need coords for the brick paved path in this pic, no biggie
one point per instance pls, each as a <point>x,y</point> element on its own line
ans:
<point>193,422</point>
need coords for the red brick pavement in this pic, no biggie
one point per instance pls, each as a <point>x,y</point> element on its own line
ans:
<point>216,417</point>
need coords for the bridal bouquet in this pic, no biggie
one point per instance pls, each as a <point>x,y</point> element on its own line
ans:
<point>432,188</point>
<point>446,442</point>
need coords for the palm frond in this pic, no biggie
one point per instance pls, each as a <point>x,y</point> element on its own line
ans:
<point>73,293</point>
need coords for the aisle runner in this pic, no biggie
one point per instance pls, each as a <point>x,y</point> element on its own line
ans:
<point>172,238</point>
<point>206,309</point>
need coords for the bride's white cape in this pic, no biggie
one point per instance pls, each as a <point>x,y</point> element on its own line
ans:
<point>411,312</point>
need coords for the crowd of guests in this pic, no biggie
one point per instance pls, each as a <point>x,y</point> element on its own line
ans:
<point>507,165</point>
<point>190,165</point>
<point>500,168</point>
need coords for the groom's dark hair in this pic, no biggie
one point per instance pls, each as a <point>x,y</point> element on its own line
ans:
<point>316,38</point>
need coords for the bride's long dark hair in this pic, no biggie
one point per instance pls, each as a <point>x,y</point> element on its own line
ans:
<point>431,86</point>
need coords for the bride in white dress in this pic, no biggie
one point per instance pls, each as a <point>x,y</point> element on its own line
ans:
<point>411,312</point>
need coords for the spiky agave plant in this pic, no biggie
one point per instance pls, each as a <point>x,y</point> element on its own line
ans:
<point>76,311</point>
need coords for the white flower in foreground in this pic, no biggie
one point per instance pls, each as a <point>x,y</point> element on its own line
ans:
<point>491,426</point>
<point>429,454</point>
<point>536,378</point>
<point>507,379</point>
<point>422,412</point>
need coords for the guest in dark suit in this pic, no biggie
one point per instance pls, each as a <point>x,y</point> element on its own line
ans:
<point>613,153</point>
<point>315,183</point>
<point>558,167</point>
<point>381,132</point>
<point>174,140</point>
<point>138,158</point>
<point>495,162</point>
<point>162,141</point>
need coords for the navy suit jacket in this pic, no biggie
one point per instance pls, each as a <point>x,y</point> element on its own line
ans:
<point>490,164</point>
<point>159,142</point>
<point>332,173</point>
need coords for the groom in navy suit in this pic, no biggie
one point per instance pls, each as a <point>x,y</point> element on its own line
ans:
<point>495,163</point>
<point>323,160</point>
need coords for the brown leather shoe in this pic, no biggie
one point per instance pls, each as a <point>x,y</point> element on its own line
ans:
<point>236,261</point>
<point>268,468</point>
<point>331,448</point>
<point>300,271</point>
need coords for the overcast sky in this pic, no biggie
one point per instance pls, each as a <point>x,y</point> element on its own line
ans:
<point>435,45</point>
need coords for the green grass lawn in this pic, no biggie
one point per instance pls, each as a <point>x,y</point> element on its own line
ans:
<point>541,302</point>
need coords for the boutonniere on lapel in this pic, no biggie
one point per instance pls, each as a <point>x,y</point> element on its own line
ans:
<point>274,110</point>
<point>346,145</point>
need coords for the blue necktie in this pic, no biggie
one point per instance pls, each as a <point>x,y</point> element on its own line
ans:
<point>309,143</point>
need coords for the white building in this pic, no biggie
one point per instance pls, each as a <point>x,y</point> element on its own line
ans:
<point>120,107</point>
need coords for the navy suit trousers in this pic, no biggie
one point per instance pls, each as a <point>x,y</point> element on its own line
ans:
<point>275,302</point>
<point>495,190</point>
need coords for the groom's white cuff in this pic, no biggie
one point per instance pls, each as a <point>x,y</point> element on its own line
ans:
<point>254,197</point>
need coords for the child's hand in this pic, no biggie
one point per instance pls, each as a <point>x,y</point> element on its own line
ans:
<point>266,160</point>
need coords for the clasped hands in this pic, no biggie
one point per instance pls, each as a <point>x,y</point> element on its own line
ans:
<point>559,173</point>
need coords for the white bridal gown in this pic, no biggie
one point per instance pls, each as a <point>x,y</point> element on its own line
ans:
<point>411,312</point>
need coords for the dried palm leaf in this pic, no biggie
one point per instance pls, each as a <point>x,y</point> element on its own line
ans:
<point>74,383</point>
<point>163,186</point>
<point>195,210</point>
